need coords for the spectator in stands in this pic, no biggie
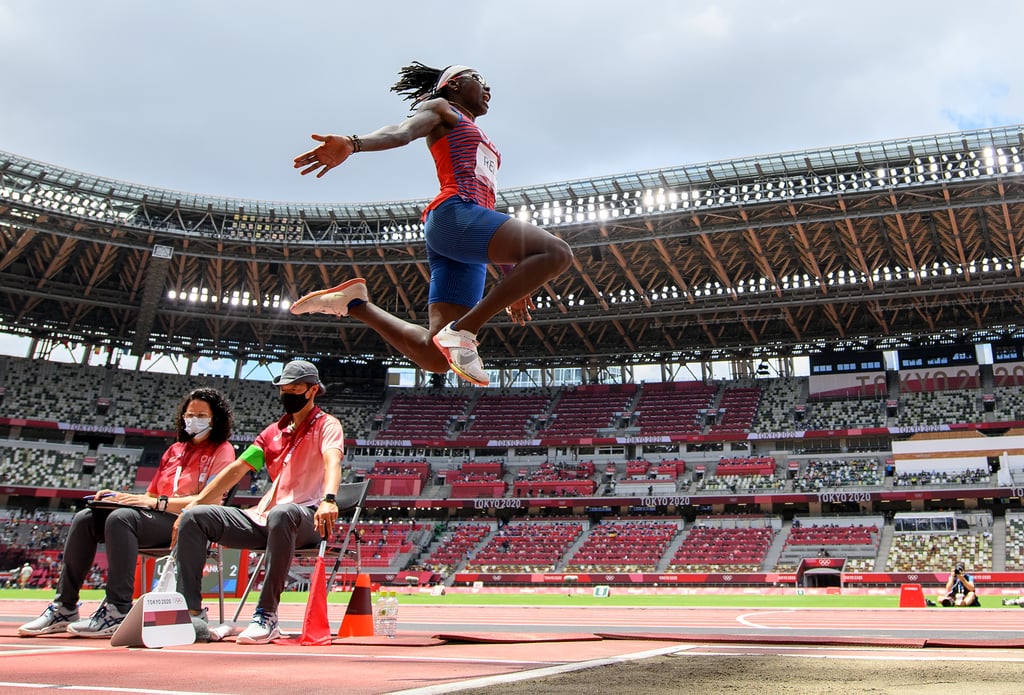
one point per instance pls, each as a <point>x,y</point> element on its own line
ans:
<point>302,453</point>
<point>125,522</point>
<point>463,230</point>
<point>960,589</point>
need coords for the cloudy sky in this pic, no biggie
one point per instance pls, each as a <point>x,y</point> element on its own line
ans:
<point>217,96</point>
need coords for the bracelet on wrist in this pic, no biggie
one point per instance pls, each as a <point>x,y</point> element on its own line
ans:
<point>357,144</point>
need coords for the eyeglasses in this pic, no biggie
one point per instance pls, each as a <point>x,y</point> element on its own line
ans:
<point>476,76</point>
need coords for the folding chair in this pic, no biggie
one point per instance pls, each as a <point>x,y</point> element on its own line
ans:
<point>351,498</point>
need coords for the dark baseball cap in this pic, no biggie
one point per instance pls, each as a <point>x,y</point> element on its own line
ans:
<point>302,372</point>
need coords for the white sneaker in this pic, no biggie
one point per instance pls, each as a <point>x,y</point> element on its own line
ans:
<point>103,623</point>
<point>459,348</point>
<point>333,301</point>
<point>55,618</point>
<point>262,629</point>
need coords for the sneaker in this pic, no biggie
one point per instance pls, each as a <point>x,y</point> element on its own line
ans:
<point>102,623</point>
<point>459,348</point>
<point>200,623</point>
<point>334,301</point>
<point>262,629</point>
<point>55,618</point>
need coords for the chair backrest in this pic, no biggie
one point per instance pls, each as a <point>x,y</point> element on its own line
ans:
<point>351,495</point>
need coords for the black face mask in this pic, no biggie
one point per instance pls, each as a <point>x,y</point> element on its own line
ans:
<point>294,402</point>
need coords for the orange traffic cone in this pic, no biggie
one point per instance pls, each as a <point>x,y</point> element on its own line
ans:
<point>316,628</point>
<point>358,620</point>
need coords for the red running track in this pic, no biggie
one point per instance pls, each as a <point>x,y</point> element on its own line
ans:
<point>440,647</point>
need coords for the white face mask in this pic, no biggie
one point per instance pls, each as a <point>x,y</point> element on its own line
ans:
<point>197,425</point>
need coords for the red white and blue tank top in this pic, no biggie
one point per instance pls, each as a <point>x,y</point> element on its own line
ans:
<point>467,165</point>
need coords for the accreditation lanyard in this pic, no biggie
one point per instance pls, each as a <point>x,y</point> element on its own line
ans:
<point>190,451</point>
<point>299,435</point>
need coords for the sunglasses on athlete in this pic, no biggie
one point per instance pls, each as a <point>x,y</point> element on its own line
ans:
<point>474,75</point>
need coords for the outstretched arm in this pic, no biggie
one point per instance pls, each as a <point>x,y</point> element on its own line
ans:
<point>335,149</point>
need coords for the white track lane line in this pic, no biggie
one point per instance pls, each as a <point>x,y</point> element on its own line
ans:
<point>534,673</point>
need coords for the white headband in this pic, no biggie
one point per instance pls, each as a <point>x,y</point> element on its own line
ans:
<point>448,74</point>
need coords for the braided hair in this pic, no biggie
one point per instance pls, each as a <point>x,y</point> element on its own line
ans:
<point>417,82</point>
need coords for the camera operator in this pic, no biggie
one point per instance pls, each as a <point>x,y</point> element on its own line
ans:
<point>960,588</point>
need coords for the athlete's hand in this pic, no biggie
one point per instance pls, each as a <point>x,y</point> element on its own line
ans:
<point>519,311</point>
<point>334,150</point>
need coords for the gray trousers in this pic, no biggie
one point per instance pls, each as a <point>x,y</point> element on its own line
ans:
<point>289,526</point>
<point>123,531</point>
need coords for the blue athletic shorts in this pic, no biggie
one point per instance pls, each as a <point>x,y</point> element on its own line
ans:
<point>458,233</point>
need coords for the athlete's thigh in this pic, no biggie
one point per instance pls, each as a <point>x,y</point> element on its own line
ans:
<point>516,240</point>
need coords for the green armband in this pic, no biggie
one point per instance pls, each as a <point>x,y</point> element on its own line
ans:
<point>254,457</point>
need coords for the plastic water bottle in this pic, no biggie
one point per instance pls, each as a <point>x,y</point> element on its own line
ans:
<point>389,617</point>
<point>379,612</point>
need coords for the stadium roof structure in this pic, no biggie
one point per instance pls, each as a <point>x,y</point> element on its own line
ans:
<point>870,246</point>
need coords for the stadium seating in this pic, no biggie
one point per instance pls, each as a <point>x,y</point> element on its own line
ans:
<point>922,552</point>
<point>502,416</point>
<point>536,546</point>
<point>400,478</point>
<point>737,409</point>
<point>422,416</point>
<point>839,414</point>
<point>477,479</point>
<point>710,548</point>
<point>623,546</point>
<point>555,480</point>
<point>454,546</point>
<point>820,474</point>
<point>673,408</point>
<point>582,411</point>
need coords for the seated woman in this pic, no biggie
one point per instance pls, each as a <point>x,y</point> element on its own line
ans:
<point>203,423</point>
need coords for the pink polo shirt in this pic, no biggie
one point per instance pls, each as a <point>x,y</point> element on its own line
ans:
<point>294,460</point>
<point>186,467</point>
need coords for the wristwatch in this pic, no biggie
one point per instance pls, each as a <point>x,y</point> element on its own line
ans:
<point>161,503</point>
<point>330,498</point>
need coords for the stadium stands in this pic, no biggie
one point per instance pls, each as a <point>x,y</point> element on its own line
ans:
<point>737,409</point>
<point>556,480</point>
<point>478,479</point>
<point>707,548</point>
<point>418,416</point>
<point>400,478</point>
<point>505,416</point>
<point>83,444</point>
<point>623,546</point>
<point>526,547</point>
<point>583,410</point>
<point>454,546</point>
<point>674,407</point>
<point>837,473</point>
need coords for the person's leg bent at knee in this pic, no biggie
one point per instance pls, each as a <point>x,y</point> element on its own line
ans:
<point>289,526</point>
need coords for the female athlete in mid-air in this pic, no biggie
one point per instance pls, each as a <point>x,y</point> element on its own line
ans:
<point>463,231</point>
